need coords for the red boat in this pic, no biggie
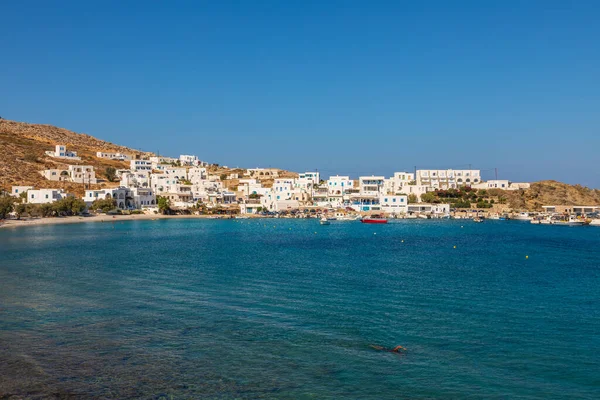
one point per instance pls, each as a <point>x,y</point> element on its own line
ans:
<point>375,219</point>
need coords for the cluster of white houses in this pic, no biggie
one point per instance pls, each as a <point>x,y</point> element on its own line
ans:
<point>185,181</point>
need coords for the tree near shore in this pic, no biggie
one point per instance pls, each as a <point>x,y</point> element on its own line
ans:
<point>104,205</point>
<point>20,209</point>
<point>6,206</point>
<point>69,206</point>
<point>164,205</point>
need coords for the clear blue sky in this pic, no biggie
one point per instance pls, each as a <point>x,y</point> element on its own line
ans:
<point>339,86</point>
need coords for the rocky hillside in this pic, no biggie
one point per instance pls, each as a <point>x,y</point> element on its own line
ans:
<point>22,154</point>
<point>22,157</point>
<point>552,193</point>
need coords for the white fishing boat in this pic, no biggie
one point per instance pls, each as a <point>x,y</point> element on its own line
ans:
<point>522,216</point>
<point>595,222</point>
<point>324,221</point>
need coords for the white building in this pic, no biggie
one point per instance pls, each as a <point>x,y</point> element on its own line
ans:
<point>501,184</point>
<point>429,209</point>
<point>261,173</point>
<point>16,191</point>
<point>143,197</point>
<point>82,174</point>
<point>139,179</point>
<point>371,185</point>
<point>399,180</point>
<point>74,173</point>
<point>114,156</point>
<point>447,178</point>
<point>140,165</point>
<point>197,174</point>
<point>163,160</point>
<point>189,160</point>
<point>42,196</point>
<point>394,204</point>
<point>338,185</point>
<point>122,195</point>
<point>61,152</point>
<point>308,180</point>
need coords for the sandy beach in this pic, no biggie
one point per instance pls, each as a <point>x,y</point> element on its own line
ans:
<point>13,223</point>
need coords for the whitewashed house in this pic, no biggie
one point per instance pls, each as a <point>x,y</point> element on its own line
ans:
<point>399,180</point>
<point>42,196</point>
<point>136,179</point>
<point>371,185</point>
<point>501,184</point>
<point>393,204</point>
<point>189,160</point>
<point>338,185</point>
<point>73,173</point>
<point>114,156</point>
<point>82,174</point>
<point>60,151</point>
<point>16,191</point>
<point>122,195</point>
<point>140,165</point>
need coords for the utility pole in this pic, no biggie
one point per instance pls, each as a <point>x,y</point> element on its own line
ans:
<point>496,171</point>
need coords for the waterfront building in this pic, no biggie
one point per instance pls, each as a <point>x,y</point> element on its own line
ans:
<point>16,191</point>
<point>395,204</point>
<point>123,197</point>
<point>578,210</point>
<point>43,196</point>
<point>371,185</point>
<point>429,209</point>
<point>338,185</point>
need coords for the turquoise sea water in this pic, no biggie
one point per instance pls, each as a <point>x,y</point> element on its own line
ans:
<point>288,309</point>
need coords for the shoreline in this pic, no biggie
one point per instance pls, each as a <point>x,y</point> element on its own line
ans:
<point>14,223</point>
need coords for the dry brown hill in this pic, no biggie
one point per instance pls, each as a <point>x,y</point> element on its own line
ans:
<point>546,193</point>
<point>22,154</point>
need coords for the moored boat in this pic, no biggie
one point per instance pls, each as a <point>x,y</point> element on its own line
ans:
<point>324,221</point>
<point>570,221</point>
<point>374,219</point>
<point>522,216</point>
